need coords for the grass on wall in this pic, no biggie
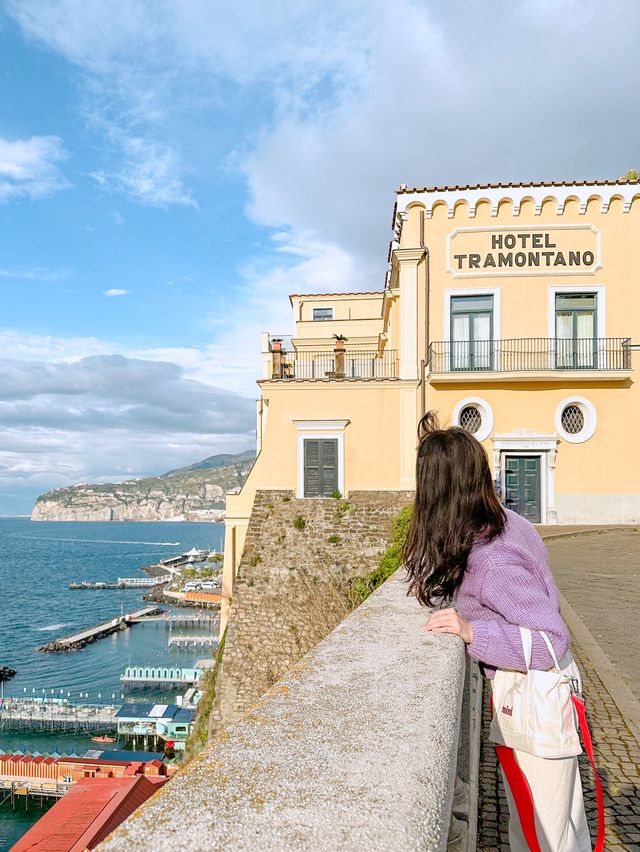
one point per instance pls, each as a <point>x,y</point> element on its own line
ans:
<point>200,730</point>
<point>390,560</point>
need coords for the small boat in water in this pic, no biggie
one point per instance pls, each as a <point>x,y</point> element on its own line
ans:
<point>103,739</point>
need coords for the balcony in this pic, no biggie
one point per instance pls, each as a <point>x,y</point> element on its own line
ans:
<point>530,358</point>
<point>330,364</point>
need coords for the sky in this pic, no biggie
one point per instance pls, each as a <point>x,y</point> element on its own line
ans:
<point>170,172</point>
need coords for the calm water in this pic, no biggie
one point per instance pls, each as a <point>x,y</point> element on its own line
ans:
<point>37,563</point>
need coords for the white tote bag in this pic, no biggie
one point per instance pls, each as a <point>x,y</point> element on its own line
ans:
<point>533,712</point>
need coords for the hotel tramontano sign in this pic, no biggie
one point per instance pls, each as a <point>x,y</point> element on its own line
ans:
<point>526,250</point>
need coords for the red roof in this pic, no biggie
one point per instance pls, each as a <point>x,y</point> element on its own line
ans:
<point>87,814</point>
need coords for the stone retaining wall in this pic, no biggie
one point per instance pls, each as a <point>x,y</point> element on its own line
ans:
<point>287,593</point>
<point>356,748</point>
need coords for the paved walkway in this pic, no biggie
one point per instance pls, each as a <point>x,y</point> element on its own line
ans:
<point>602,613</point>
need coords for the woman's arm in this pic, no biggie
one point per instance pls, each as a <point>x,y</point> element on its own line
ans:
<point>515,597</point>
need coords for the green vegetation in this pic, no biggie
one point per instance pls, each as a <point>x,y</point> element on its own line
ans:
<point>200,728</point>
<point>390,560</point>
<point>299,522</point>
<point>341,510</point>
<point>334,539</point>
<point>216,557</point>
<point>286,498</point>
<point>337,495</point>
<point>256,559</point>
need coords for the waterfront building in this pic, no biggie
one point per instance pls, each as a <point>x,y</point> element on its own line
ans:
<point>161,723</point>
<point>513,310</point>
<point>87,814</point>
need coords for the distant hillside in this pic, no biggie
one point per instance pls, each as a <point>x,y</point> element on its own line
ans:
<point>193,493</point>
<point>221,460</point>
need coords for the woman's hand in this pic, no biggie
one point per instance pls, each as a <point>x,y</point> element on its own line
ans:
<point>450,621</point>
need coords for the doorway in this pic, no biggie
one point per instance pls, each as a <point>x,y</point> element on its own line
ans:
<point>522,486</point>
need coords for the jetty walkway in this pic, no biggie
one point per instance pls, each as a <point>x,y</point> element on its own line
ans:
<point>84,637</point>
<point>57,716</point>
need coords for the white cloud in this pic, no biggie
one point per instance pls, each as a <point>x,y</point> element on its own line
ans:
<point>29,167</point>
<point>146,416</point>
<point>115,291</point>
<point>34,273</point>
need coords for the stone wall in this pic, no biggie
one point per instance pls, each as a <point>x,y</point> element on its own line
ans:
<point>357,748</point>
<point>288,595</point>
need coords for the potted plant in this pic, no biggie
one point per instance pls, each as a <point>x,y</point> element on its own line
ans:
<point>340,340</point>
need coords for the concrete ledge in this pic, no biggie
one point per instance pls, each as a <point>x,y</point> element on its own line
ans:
<point>356,748</point>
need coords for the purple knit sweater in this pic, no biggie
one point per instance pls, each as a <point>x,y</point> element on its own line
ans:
<point>508,584</point>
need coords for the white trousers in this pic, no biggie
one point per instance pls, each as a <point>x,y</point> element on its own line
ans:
<point>556,789</point>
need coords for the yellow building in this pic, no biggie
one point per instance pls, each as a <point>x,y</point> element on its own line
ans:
<point>512,310</point>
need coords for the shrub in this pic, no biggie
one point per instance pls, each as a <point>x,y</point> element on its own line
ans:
<point>200,730</point>
<point>299,522</point>
<point>390,560</point>
<point>337,495</point>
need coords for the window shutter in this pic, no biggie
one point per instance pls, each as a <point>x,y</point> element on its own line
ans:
<point>311,468</point>
<point>329,467</point>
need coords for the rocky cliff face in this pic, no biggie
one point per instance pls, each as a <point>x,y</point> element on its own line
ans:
<point>191,494</point>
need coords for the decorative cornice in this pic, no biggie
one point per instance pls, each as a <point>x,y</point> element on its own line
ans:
<point>515,194</point>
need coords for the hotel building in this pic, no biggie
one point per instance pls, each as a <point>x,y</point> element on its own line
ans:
<point>513,310</point>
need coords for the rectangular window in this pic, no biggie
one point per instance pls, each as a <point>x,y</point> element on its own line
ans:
<point>323,313</point>
<point>471,332</point>
<point>320,467</point>
<point>576,329</point>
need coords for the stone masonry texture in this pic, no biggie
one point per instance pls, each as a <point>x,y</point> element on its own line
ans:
<point>296,558</point>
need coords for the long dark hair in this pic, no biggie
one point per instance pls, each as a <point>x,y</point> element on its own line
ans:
<point>455,506</point>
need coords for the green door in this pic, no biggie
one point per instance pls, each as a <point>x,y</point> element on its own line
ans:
<point>522,486</point>
<point>320,467</point>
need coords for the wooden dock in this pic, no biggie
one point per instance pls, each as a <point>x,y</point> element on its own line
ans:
<point>192,641</point>
<point>57,717</point>
<point>84,637</point>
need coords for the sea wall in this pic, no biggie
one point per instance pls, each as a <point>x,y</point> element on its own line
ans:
<point>287,595</point>
<point>369,742</point>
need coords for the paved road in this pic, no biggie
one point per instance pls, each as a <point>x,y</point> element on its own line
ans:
<point>599,574</point>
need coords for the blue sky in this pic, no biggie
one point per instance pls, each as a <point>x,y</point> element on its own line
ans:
<point>169,172</point>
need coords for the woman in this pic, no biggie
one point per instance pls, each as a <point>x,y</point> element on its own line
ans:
<point>463,546</point>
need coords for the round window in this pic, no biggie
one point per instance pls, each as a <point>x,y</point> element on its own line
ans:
<point>572,419</point>
<point>576,419</point>
<point>470,419</point>
<point>475,416</point>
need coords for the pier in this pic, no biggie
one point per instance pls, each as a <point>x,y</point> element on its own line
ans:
<point>202,620</point>
<point>84,637</point>
<point>124,583</point>
<point>192,641</point>
<point>32,715</point>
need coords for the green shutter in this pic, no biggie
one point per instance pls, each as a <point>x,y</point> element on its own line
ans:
<point>320,467</point>
<point>329,451</point>
<point>311,468</point>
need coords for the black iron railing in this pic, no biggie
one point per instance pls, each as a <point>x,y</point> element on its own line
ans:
<point>327,364</point>
<point>528,354</point>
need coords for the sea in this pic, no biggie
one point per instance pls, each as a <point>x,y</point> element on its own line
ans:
<point>38,560</point>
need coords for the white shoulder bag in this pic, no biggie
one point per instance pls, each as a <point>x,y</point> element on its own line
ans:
<point>534,711</point>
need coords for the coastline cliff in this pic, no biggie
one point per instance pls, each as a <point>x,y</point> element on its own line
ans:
<point>194,493</point>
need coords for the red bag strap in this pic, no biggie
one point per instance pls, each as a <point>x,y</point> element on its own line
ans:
<point>588,747</point>
<point>522,792</point>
